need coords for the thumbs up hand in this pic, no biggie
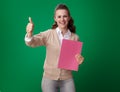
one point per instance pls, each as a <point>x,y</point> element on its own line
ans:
<point>30,25</point>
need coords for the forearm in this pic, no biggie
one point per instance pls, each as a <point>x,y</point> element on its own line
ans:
<point>34,40</point>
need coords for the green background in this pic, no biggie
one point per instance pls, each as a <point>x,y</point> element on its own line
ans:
<point>98,25</point>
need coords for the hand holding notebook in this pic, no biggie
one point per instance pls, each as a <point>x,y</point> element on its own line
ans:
<point>68,51</point>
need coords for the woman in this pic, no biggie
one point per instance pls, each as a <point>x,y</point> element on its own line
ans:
<point>63,28</point>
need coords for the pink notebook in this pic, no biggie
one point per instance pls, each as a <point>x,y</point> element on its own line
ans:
<point>68,51</point>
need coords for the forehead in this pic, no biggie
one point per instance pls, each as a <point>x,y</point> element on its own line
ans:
<point>61,12</point>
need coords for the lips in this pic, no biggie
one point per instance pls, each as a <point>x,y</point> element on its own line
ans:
<point>62,23</point>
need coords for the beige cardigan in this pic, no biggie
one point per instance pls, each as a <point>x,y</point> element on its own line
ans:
<point>50,39</point>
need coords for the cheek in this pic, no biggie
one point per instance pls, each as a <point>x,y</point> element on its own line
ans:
<point>56,19</point>
<point>67,19</point>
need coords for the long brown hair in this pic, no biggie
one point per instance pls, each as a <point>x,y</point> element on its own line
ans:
<point>71,26</point>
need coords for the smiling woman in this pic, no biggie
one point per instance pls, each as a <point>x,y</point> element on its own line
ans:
<point>55,78</point>
<point>98,26</point>
<point>62,18</point>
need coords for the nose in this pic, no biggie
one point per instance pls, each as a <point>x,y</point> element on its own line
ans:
<point>62,18</point>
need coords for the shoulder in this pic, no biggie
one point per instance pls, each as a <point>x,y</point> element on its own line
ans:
<point>75,36</point>
<point>48,31</point>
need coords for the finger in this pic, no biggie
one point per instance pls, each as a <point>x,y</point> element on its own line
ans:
<point>76,55</point>
<point>30,20</point>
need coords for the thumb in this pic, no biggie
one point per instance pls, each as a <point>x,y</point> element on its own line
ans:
<point>30,20</point>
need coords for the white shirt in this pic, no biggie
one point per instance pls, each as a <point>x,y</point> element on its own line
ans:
<point>61,37</point>
<point>59,33</point>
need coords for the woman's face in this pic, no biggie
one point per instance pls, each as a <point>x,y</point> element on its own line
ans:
<point>62,18</point>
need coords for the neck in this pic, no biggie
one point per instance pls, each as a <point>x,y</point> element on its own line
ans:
<point>63,30</point>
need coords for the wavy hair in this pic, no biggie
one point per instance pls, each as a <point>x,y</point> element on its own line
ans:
<point>71,26</point>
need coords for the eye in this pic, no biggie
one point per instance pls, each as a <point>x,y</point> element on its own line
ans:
<point>65,16</point>
<point>59,16</point>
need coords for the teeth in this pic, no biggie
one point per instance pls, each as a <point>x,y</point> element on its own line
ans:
<point>62,23</point>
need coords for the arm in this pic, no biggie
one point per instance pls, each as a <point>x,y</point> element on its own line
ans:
<point>35,40</point>
<point>79,57</point>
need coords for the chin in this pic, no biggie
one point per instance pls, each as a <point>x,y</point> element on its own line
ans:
<point>63,27</point>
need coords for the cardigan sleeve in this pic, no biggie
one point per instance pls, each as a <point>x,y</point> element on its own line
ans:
<point>38,39</point>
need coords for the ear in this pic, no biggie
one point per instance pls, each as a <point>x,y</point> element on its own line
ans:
<point>54,18</point>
